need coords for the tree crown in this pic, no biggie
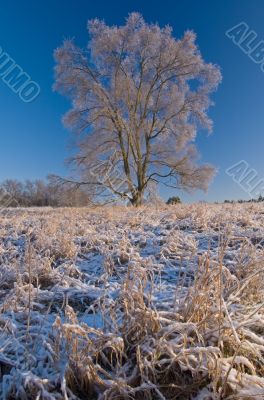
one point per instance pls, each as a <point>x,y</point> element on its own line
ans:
<point>138,98</point>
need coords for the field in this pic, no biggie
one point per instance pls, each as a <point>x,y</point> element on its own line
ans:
<point>116,303</point>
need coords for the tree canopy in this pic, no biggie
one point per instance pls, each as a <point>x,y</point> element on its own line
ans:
<point>138,98</point>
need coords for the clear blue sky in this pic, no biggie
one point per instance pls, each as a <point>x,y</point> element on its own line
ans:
<point>33,141</point>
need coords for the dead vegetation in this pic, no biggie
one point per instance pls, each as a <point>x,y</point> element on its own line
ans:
<point>123,304</point>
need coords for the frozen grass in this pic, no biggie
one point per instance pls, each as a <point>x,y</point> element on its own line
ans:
<point>132,304</point>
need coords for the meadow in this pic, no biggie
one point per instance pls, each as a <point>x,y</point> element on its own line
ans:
<point>121,303</point>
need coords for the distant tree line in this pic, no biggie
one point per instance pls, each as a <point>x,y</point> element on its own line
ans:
<point>258,200</point>
<point>40,193</point>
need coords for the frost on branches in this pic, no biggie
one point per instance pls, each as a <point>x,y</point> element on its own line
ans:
<point>138,98</point>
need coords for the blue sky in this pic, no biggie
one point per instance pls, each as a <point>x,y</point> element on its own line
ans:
<point>33,141</point>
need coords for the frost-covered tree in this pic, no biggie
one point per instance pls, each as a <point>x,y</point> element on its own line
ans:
<point>138,98</point>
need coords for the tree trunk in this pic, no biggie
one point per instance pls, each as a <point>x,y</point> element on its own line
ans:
<point>137,199</point>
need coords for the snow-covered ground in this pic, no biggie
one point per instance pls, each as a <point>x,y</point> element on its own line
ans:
<point>116,303</point>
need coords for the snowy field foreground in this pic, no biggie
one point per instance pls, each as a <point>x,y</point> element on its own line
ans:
<point>132,304</point>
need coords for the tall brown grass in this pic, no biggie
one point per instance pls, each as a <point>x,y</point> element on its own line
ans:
<point>177,295</point>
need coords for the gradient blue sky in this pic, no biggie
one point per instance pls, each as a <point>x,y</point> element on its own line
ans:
<point>33,141</point>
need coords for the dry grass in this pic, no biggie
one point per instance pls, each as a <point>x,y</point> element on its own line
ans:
<point>124,304</point>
